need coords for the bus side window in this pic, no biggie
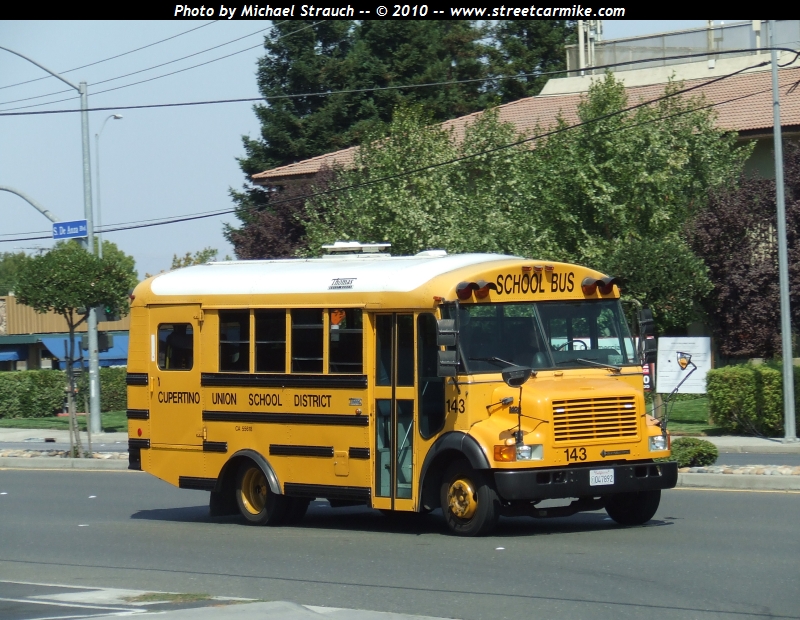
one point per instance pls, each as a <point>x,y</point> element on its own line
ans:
<point>270,340</point>
<point>175,346</point>
<point>307,340</point>
<point>234,340</point>
<point>346,338</point>
<point>431,386</point>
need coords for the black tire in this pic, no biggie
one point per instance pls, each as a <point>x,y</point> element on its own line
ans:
<point>633,508</point>
<point>257,503</point>
<point>296,510</point>
<point>469,502</point>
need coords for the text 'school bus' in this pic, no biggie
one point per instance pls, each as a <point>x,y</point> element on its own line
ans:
<point>480,384</point>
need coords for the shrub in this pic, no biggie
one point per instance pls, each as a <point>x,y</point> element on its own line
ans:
<point>113,389</point>
<point>691,452</point>
<point>748,399</point>
<point>41,393</point>
<point>31,393</point>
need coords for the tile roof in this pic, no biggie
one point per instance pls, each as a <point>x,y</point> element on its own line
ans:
<point>743,104</point>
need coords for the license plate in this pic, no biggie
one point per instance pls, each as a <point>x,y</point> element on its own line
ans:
<point>600,477</point>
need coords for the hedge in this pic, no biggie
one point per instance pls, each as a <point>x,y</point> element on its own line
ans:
<point>113,390</point>
<point>31,393</point>
<point>748,399</point>
<point>40,393</point>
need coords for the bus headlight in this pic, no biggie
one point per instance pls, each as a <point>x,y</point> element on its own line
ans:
<point>533,452</point>
<point>658,443</point>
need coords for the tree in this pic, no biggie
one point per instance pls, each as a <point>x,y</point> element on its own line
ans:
<point>529,46</point>
<point>736,237</point>
<point>621,185</point>
<point>67,278</point>
<point>206,255</point>
<point>9,267</point>
<point>347,55</point>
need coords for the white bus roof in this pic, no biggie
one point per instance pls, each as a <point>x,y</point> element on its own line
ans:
<point>358,273</point>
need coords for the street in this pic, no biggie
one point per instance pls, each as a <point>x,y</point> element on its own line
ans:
<point>707,554</point>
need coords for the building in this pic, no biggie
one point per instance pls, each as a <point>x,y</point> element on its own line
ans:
<point>29,340</point>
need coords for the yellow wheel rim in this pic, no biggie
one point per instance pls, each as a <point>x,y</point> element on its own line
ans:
<point>254,490</point>
<point>462,499</point>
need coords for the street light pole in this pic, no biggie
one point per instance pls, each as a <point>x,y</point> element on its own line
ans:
<point>790,430</point>
<point>91,321</point>
<point>97,174</point>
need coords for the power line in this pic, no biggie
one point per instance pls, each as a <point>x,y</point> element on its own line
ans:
<point>355,90</point>
<point>97,62</point>
<point>204,215</point>
<point>169,62</point>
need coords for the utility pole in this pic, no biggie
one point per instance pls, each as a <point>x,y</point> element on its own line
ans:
<point>581,48</point>
<point>91,322</point>
<point>790,430</point>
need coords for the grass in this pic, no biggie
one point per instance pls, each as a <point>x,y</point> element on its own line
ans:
<point>689,416</point>
<point>112,422</point>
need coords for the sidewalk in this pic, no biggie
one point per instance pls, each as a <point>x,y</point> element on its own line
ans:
<point>769,478</point>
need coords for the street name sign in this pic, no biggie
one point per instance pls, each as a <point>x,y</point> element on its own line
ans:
<point>70,230</point>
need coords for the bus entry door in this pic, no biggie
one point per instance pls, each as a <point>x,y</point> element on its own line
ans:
<point>176,410</point>
<point>395,404</point>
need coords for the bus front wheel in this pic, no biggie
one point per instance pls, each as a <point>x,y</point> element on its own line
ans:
<point>633,508</point>
<point>469,502</point>
<point>257,503</point>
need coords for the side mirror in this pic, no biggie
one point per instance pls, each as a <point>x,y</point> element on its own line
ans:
<point>649,350</point>
<point>446,333</point>
<point>447,364</point>
<point>515,376</point>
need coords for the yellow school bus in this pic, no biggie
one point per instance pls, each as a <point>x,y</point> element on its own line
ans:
<point>480,384</point>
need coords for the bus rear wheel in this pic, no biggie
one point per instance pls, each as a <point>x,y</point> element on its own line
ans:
<point>257,503</point>
<point>469,502</point>
<point>633,508</point>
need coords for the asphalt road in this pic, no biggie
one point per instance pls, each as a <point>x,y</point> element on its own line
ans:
<point>707,554</point>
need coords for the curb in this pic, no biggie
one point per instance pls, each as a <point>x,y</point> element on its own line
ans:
<point>742,482</point>
<point>781,448</point>
<point>15,462</point>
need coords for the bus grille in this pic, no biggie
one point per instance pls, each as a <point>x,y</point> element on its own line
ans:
<point>594,418</point>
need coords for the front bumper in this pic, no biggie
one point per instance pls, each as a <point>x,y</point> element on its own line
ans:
<point>553,483</point>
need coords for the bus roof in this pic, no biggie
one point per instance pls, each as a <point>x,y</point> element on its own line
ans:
<point>356,273</point>
<point>371,280</point>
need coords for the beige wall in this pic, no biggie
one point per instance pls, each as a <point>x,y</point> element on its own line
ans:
<point>16,318</point>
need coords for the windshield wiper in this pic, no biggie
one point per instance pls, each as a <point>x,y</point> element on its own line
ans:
<point>493,360</point>
<point>600,364</point>
<point>592,363</point>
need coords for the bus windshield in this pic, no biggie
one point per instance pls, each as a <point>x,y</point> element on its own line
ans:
<point>553,335</point>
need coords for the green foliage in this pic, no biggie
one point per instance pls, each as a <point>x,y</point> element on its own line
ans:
<point>527,47</point>
<point>748,398</point>
<point>375,54</point>
<point>346,55</point>
<point>613,194</point>
<point>9,266</point>
<point>662,273</point>
<point>67,277</point>
<point>125,262</point>
<point>113,389</point>
<point>691,452</point>
<point>31,393</point>
<point>200,257</point>
<point>40,393</point>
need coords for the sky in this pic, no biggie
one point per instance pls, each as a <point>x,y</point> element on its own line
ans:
<point>154,163</point>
